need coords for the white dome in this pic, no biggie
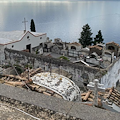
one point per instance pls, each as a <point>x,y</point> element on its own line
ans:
<point>59,84</point>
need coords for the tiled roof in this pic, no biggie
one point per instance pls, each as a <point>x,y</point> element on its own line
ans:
<point>114,96</point>
<point>75,43</point>
<point>97,47</point>
<point>111,94</point>
<point>113,43</point>
<point>14,36</point>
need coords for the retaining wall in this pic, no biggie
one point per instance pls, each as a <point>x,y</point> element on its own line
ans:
<point>78,72</point>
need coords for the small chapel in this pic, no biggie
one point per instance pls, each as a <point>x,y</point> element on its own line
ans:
<point>21,41</point>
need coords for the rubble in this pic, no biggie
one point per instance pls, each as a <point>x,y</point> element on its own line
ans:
<point>89,97</point>
<point>53,85</point>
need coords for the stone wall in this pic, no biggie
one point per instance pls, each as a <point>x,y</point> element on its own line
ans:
<point>75,69</point>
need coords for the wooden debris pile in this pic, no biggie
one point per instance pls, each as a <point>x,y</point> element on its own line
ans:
<point>15,80</point>
<point>32,72</point>
<point>43,90</point>
<point>22,81</point>
<point>89,97</point>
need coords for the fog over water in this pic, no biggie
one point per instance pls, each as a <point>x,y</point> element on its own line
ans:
<point>63,19</point>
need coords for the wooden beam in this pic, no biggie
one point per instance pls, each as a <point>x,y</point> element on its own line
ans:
<point>110,92</point>
<point>83,94</point>
<point>87,95</point>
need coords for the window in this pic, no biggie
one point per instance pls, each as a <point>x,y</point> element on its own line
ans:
<point>40,37</point>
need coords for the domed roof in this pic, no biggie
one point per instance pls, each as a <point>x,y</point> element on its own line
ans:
<point>59,84</point>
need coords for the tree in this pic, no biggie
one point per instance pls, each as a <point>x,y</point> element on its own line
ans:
<point>86,34</point>
<point>32,26</point>
<point>98,38</point>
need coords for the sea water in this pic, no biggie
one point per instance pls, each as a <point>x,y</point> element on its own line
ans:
<point>63,19</point>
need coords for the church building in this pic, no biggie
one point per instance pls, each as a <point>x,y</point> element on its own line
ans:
<point>22,41</point>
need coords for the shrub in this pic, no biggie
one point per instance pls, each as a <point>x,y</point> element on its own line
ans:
<point>64,58</point>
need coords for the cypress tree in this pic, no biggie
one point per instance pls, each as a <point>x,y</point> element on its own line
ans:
<point>86,34</point>
<point>98,38</point>
<point>32,26</point>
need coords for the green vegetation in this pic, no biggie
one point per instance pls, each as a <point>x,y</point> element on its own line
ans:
<point>6,66</point>
<point>28,66</point>
<point>18,68</point>
<point>104,72</point>
<point>32,26</point>
<point>64,58</point>
<point>86,34</point>
<point>98,38</point>
<point>86,37</point>
<point>37,52</point>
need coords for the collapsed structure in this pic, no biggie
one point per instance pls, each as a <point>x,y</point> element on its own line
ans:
<point>59,84</point>
<point>51,84</point>
<point>109,99</point>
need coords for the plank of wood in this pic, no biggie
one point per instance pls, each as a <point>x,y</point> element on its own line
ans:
<point>47,93</point>
<point>58,96</point>
<point>90,99</point>
<point>82,97</point>
<point>87,95</point>
<point>14,83</point>
<point>92,96</point>
<point>83,94</point>
<point>110,92</point>
<point>35,71</point>
<point>100,93</point>
<point>16,77</point>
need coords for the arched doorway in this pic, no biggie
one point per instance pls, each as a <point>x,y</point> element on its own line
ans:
<point>73,47</point>
<point>111,47</point>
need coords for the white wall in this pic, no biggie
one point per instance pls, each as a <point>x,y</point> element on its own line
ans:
<point>34,41</point>
<point>73,53</point>
<point>77,47</point>
<point>112,75</point>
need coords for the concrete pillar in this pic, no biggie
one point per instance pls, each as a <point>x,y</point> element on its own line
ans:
<point>96,81</point>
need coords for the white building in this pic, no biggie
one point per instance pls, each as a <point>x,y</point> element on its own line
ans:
<point>19,40</point>
<point>74,49</point>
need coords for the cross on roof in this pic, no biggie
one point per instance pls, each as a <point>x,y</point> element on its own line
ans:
<point>24,23</point>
